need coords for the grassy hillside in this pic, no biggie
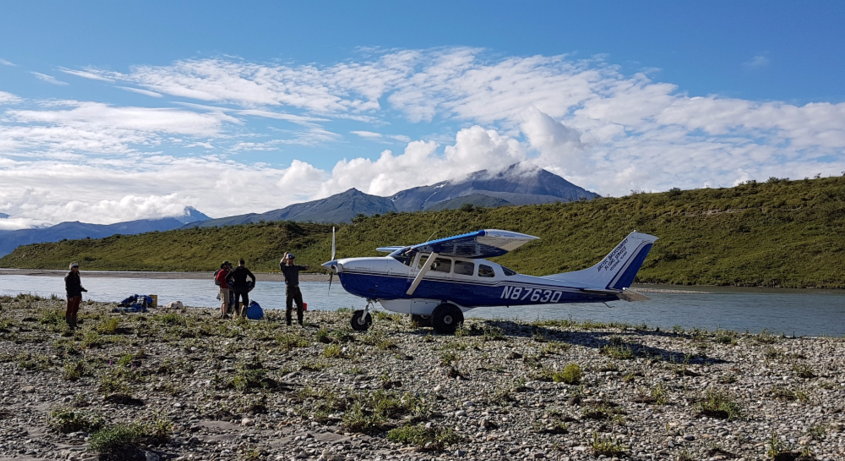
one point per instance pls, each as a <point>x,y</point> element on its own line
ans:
<point>778,233</point>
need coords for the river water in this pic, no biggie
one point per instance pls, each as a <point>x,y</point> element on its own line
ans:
<point>799,312</point>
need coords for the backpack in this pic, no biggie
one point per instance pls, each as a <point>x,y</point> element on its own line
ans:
<point>217,282</point>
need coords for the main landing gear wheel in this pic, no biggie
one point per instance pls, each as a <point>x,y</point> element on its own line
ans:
<point>361,320</point>
<point>421,321</point>
<point>446,318</point>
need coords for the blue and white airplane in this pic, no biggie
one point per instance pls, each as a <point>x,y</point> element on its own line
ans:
<point>437,281</point>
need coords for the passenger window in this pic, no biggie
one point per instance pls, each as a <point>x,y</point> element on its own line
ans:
<point>442,265</point>
<point>508,272</point>
<point>464,268</point>
<point>485,271</point>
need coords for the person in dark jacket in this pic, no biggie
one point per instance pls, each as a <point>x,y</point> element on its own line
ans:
<point>240,286</point>
<point>291,272</point>
<point>74,289</point>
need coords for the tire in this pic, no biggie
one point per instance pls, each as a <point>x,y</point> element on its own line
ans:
<point>446,318</point>
<point>361,320</point>
<point>421,321</point>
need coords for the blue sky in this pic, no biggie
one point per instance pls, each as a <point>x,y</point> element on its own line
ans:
<point>142,108</point>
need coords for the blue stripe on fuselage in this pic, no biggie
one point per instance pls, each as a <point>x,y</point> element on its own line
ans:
<point>465,293</point>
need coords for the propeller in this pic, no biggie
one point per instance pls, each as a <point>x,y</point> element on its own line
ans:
<point>331,273</point>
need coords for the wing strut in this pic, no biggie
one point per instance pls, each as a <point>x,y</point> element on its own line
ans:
<point>423,271</point>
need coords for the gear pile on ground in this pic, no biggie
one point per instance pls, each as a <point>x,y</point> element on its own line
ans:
<point>184,385</point>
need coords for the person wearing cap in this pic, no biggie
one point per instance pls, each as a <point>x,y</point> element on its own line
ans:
<point>220,280</point>
<point>291,272</point>
<point>74,289</point>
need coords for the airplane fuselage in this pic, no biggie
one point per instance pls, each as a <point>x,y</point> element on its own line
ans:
<point>467,283</point>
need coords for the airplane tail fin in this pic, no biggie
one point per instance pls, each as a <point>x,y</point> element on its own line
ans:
<point>617,270</point>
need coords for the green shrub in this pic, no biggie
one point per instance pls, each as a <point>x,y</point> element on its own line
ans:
<point>718,404</point>
<point>421,436</point>
<point>108,326</point>
<point>333,351</point>
<point>606,446</point>
<point>66,420</point>
<point>323,336</point>
<point>571,374</point>
<point>290,342</point>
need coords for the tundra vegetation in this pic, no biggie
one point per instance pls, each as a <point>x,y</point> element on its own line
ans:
<point>777,233</point>
<point>183,383</point>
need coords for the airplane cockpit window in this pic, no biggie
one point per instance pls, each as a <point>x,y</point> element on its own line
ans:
<point>464,268</point>
<point>442,265</point>
<point>485,271</point>
<point>404,256</point>
<point>507,271</point>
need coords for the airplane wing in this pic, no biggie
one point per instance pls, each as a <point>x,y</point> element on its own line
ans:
<point>388,249</point>
<point>486,243</point>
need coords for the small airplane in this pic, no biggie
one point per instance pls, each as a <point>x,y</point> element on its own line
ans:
<point>437,281</point>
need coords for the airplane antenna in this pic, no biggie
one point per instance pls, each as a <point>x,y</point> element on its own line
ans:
<point>334,247</point>
<point>430,236</point>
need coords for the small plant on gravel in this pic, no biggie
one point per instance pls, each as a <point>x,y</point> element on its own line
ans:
<point>333,351</point>
<point>29,361</point>
<point>766,338</point>
<point>116,439</point>
<point>448,358</point>
<point>718,404</point>
<point>817,432</point>
<point>726,337</point>
<point>553,348</point>
<point>66,420</point>
<point>802,370</point>
<point>52,317</point>
<point>74,370</point>
<point>309,365</point>
<point>91,340</point>
<point>571,374</point>
<point>727,378</point>
<point>606,446</point>
<point>322,336</point>
<point>658,393</point>
<point>108,326</point>
<point>428,438</point>
<point>290,342</point>
<point>778,449</point>
<point>621,352</point>
<point>492,333</point>
<point>685,455</point>
<point>343,336</point>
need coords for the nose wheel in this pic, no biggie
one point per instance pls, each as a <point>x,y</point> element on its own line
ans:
<point>361,319</point>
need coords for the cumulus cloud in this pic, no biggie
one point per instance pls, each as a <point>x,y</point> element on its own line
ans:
<point>581,118</point>
<point>49,79</point>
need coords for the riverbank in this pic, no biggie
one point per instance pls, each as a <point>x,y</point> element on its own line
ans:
<point>184,385</point>
<point>262,276</point>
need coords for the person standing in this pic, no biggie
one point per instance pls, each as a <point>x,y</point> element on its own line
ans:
<point>291,272</point>
<point>220,279</point>
<point>241,287</point>
<point>74,289</point>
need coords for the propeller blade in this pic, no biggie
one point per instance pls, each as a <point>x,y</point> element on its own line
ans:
<point>331,276</point>
<point>333,245</point>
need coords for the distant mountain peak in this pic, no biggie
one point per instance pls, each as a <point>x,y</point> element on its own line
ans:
<point>191,214</point>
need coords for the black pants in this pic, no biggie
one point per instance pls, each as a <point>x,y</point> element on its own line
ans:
<point>243,294</point>
<point>293,294</point>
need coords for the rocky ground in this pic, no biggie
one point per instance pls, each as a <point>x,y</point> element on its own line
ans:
<point>186,385</point>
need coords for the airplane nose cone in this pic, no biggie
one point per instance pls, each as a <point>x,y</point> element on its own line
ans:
<point>331,266</point>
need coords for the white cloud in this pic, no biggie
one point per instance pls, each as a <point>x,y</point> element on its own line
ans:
<point>583,119</point>
<point>7,63</point>
<point>9,98</point>
<point>48,78</point>
<point>757,62</point>
<point>367,134</point>
<point>140,91</point>
<point>87,74</point>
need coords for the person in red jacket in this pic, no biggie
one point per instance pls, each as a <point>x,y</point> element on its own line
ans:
<point>220,280</point>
